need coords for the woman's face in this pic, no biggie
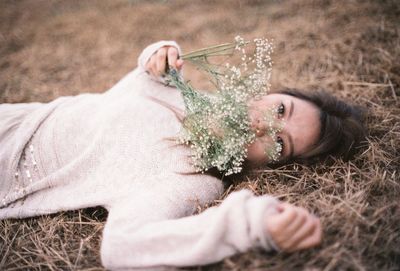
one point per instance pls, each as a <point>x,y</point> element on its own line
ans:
<point>301,127</point>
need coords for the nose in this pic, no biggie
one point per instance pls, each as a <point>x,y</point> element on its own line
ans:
<point>257,127</point>
<point>262,128</point>
<point>260,132</point>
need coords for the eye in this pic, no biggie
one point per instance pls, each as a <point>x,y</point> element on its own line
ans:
<point>279,140</point>
<point>281,110</point>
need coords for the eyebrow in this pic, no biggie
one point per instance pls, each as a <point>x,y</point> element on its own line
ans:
<point>288,135</point>
<point>291,109</point>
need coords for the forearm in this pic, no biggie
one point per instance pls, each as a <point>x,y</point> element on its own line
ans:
<point>235,226</point>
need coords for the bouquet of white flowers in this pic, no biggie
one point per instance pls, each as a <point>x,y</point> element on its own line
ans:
<point>217,126</point>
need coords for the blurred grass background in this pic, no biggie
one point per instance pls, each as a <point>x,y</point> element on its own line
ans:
<point>350,48</point>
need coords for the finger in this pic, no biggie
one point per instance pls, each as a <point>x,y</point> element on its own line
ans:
<point>280,207</point>
<point>299,221</point>
<point>148,64</point>
<point>161,60</point>
<point>304,232</point>
<point>172,57</point>
<point>277,223</point>
<point>179,64</point>
<point>287,216</point>
<point>147,67</point>
<point>313,240</point>
<point>152,65</point>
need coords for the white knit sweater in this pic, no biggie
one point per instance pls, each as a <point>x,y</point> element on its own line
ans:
<point>111,150</point>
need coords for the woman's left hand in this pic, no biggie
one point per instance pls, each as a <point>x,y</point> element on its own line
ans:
<point>167,55</point>
<point>294,228</point>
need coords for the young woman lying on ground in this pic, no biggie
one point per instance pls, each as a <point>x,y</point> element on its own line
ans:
<point>110,150</point>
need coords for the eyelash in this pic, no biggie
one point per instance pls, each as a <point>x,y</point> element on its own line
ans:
<point>281,110</point>
<point>279,140</point>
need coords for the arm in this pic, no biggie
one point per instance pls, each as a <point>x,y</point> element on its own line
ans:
<point>146,236</point>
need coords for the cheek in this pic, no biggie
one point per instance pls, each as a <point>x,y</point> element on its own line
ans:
<point>305,136</point>
<point>256,151</point>
<point>258,108</point>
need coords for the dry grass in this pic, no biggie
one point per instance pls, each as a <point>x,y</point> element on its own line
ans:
<point>351,48</point>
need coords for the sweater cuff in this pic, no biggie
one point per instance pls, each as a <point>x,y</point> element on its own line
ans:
<point>260,208</point>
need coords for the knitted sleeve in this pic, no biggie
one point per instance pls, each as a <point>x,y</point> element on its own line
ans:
<point>138,235</point>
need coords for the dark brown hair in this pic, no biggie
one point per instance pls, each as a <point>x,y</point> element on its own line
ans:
<point>342,129</point>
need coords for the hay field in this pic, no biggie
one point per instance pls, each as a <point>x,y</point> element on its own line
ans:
<point>350,48</point>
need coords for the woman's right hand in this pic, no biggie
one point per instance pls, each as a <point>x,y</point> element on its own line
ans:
<point>167,55</point>
<point>294,228</point>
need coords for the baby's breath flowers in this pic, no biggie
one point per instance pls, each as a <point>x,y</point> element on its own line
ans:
<point>217,126</point>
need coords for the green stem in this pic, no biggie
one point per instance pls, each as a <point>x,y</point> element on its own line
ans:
<point>212,50</point>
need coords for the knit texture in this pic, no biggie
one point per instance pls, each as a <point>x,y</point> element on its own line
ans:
<point>113,150</point>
